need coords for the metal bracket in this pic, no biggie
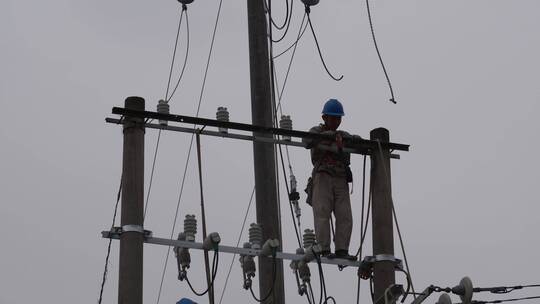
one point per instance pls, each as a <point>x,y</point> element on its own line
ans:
<point>117,231</point>
<point>384,258</point>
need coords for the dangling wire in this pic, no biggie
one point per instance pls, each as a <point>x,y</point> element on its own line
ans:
<point>379,53</point>
<point>319,49</point>
<point>300,34</point>
<point>184,9</point>
<point>105,270</point>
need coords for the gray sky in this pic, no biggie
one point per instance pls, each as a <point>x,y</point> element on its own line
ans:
<point>465,75</point>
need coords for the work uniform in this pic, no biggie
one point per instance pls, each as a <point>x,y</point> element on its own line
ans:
<point>330,192</point>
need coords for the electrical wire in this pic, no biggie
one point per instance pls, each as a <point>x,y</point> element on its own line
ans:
<point>505,300</point>
<point>274,275</point>
<point>105,270</point>
<point>387,175</point>
<point>151,176</point>
<point>273,88</point>
<point>280,27</point>
<point>174,54</point>
<point>186,56</point>
<point>237,244</point>
<point>215,264</point>
<point>319,49</point>
<point>191,143</point>
<point>379,53</point>
<point>503,289</point>
<point>301,33</point>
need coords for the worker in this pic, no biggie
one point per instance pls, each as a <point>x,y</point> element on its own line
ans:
<point>328,189</point>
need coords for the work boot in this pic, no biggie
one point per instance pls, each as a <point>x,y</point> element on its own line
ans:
<point>342,254</point>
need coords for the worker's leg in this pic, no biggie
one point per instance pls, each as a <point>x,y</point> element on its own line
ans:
<point>343,214</point>
<point>322,202</point>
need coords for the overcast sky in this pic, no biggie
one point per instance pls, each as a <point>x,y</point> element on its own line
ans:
<point>465,74</point>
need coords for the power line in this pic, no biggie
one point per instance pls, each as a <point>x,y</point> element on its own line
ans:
<point>174,54</point>
<point>505,300</point>
<point>379,53</point>
<point>237,244</point>
<point>185,58</point>
<point>105,270</point>
<point>151,176</point>
<point>191,142</point>
<point>319,49</point>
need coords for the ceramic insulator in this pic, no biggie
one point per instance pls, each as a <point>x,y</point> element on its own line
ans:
<point>309,238</point>
<point>255,236</point>
<point>222,115</point>
<point>285,123</point>
<point>190,227</point>
<point>163,108</point>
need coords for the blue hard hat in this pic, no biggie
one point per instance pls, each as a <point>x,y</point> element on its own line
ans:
<point>333,108</point>
<point>185,301</point>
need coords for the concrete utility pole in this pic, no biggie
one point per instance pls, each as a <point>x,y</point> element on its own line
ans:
<point>263,153</point>
<point>130,283</point>
<point>383,233</point>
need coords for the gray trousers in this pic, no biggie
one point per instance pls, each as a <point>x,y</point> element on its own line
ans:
<point>331,194</point>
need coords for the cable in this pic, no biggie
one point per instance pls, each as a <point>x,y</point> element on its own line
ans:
<point>174,54</point>
<point>105,270</point>
<point>503,289</point>
<point>186,57</point>
<point>301,33</point>
<point>151,176</point>
<point>379,53</point>
<point>322,282</point>
<point>273,88</point>
<point>274,275</point>
<point>286,15</point>
<point>215,264</point>
<point>319,49</point>
<point>362,234</point>
<point>237,243</point>
<point>505,300</point>
<point>191,143</point>
<point>387,175</point>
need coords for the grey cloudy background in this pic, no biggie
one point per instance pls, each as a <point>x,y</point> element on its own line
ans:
<point>466,80</point>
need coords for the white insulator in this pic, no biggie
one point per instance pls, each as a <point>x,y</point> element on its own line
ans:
<point>255,236</point>
<point>190,227</point>
<point>222,115</point>
<point>163,108</point>
<point>285,123</point>
<point>309,238</point>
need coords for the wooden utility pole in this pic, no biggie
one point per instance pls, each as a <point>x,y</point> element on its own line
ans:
<point>383,233</point>
<point>263,153</point>
<point>130,283</point>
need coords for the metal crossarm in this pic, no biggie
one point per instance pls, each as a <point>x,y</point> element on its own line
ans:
<point>353,142</point>
<point>229,249</point>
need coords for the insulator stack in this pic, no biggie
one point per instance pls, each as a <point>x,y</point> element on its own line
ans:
<point>190,227</point>
<point>163,108</point>
<point>303,272</point>
<point>222,115</point>
<point>285,123</point>
<point>255,236</point>
<point>309,238</point>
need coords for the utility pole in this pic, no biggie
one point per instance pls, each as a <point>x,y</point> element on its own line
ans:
<point>383,233</point>
<point>130,283</point>
<point>263,153</point>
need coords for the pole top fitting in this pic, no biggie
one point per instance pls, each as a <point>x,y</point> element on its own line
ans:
<point>134,103</point>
